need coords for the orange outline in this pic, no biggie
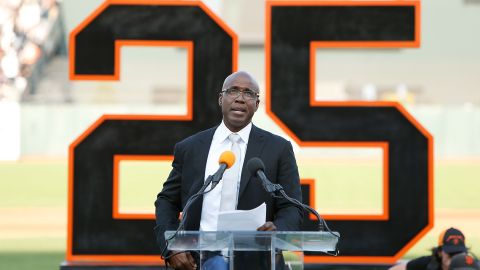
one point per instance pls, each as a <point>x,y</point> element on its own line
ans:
<point>116,214</point>
<point>384,145</point>
<point>149,43</point>
<point>337,44</point>
<point>310,182</point>
<point>385,215</point>
<point>107,3</point>
<point>188,117</point>
<point>92,257</point>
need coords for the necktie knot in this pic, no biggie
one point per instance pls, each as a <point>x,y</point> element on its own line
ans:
<point>234,138</point>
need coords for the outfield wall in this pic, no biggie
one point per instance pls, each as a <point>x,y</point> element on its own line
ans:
<point>47,130</point>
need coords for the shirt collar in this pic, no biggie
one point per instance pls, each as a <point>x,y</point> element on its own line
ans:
<point>222,132</point>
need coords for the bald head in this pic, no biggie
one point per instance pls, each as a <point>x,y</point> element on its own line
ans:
<point>238,102</point>
<point>241,75</point>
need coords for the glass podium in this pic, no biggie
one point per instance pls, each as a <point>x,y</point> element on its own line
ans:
<point>227,242</point>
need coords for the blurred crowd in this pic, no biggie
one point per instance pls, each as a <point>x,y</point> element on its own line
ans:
<point>30,34</point>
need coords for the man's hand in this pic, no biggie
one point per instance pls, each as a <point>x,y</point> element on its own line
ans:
<point>268,226</point>
<point>182,261</point>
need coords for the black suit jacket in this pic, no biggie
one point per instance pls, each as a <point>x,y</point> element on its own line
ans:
<point>187,177</point>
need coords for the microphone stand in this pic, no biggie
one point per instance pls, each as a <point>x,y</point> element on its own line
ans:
<point>273,189</point>
<point>190,201</point>
<point>193,199</point>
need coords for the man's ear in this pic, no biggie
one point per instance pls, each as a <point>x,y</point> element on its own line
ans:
<point>257,104</point>
<point>220,100</point>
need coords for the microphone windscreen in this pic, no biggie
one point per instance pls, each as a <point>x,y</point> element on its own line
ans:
<point>255,164</point>
<point>228,158</point>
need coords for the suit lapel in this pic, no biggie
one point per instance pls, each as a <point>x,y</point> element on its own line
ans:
<point>199,161</point>
<point>256,142</point>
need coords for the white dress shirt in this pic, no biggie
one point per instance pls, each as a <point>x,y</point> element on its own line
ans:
<point>220,143</point>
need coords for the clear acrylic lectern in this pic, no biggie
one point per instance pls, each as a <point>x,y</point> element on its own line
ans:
<point>230,241</point>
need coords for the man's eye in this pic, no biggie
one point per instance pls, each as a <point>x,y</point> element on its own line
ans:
<point>249,93</point>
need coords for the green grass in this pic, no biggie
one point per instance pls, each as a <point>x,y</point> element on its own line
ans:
<point>33,243</point>
<point>31,260</point>
<point>457,186</point>
<point>36,184</point>
<point>339,186</point>
<point>27,184</point>
<point>140,182</point>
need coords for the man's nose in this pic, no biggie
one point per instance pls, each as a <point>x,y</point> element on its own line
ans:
<point>240,98</point>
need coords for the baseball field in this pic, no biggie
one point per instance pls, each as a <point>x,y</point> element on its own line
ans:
<point>33,202</point>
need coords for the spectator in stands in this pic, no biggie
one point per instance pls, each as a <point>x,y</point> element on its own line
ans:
<point>30,34</point>
<point>450,243</point>
<point>464,262</point>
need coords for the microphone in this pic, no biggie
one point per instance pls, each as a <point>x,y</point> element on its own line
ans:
<point>226,160</point>
<point>256,167</point>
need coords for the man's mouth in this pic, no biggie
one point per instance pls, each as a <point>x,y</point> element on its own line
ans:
<point>238,110</point>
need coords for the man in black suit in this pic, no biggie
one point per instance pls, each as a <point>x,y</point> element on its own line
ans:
<point>196,157</point>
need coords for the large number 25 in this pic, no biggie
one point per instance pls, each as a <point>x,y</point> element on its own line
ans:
<point>293,32</point>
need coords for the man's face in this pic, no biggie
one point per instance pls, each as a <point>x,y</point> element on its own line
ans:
<point>238,111</point>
